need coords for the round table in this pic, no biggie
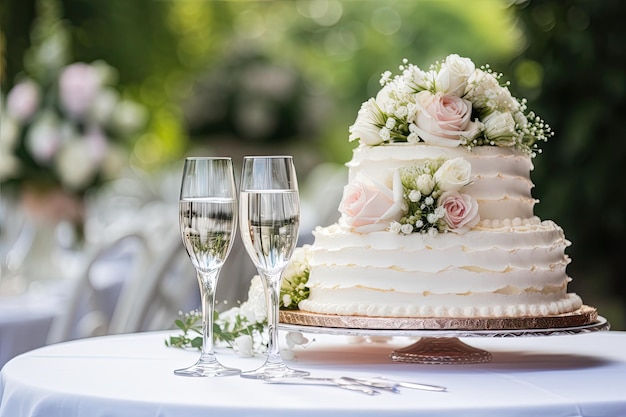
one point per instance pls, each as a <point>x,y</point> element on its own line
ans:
<point>25,322</point>
<point>132,375</point>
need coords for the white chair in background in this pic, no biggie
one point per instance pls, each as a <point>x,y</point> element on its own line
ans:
<point>152,301</point>
<point>119,258</point>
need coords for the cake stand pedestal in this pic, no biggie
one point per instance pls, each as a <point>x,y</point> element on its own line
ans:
<point>439,337</point>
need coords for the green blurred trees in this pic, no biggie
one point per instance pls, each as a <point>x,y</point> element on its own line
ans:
<point>577,49</point>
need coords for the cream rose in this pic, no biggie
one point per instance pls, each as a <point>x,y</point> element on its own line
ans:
<point>461,211</point>
<point>443,119</point>
<point>453,174</point>
<point>369,205</point>
<point>453,76</point>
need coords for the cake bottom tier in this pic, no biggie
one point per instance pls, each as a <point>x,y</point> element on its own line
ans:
<point>513,268</point>
<point>374,303</point>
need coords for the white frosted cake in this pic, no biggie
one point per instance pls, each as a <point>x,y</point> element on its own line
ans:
<point>437,217</point>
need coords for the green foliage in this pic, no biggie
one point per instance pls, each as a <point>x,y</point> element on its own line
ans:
<point>223,330</point>
<point>578,44</point>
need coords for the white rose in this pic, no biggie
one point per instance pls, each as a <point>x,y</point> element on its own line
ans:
<point>367,126</point>
<point>395,227</point>
<point>453,76</point>
<point>453,174</point>
<point>406,229</point>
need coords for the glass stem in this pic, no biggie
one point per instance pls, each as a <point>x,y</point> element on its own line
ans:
<point>207,282</point>
<point>272,282</point>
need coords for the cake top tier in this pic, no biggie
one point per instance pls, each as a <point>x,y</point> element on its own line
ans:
<point>451,104</point>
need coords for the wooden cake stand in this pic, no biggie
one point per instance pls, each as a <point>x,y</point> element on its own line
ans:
<point>439,337</point>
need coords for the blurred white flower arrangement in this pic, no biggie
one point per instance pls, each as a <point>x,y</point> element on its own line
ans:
<point>64,124</point>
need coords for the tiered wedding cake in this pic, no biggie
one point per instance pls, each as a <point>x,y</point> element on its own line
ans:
<point>437,218</point>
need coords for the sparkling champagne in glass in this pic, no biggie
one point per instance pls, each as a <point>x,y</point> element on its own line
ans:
<point>208,222</point>
<point>270,219</point>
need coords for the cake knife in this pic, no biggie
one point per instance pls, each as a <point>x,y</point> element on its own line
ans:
<point>330,382</point>
<point>405,384</point>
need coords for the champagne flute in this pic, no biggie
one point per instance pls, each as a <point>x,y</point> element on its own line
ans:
<point>270,219</point>
<point>208,222</point>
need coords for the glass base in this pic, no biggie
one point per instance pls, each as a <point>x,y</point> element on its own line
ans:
<point>207,369</point>
<point>274,370</point>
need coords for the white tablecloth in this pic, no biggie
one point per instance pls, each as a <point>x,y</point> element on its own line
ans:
<point>131,375</point>
<point>25,321</point>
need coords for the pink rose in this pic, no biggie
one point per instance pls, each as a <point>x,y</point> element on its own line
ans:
<point>443,119</point>
<point>23,100</point>
<point>79,84</point>
<point>461,211</point>
<point>369,205</point>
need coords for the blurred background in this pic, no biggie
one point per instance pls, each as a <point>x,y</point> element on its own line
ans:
<point>167,79</point>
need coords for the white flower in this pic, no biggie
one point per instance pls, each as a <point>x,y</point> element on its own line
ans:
<point>74,165</point>
<point>366,128</point>
<point>286,300</point>
<point>44,137</point>
<point>406,229</point>
<point>254,309</point>
<point>128,117</point>
<point>500,127</point>
<point>415,78</point>
<point>295,338</point>
<point>453,174</point>
<point>104,106</point>
<point>395,227</point>
<point>244,345</point>
<point>425,184</point>
<point>415,196</point>
<point>482,89</point>
<point>453,76</point>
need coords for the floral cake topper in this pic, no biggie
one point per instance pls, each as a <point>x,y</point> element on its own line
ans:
<point>451,104</point>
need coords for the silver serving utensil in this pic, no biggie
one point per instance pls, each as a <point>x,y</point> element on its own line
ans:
<point>386,386</point>
<point>330,382</point>
<point>406,384</point>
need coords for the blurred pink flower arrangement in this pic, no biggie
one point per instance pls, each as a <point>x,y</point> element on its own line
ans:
<point>65,125</point>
